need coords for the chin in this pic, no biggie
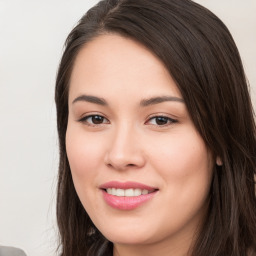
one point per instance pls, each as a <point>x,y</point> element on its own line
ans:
<point>128,240</point>
<point>128,237</point>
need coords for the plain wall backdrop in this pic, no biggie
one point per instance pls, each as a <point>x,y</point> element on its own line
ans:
<point>32,34</point>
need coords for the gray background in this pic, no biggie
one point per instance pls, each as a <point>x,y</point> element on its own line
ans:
<point>32,34</point>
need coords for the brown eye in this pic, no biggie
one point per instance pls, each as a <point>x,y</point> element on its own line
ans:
<point>161,121</point>
<point>97,119</point>
<point>94,120</point>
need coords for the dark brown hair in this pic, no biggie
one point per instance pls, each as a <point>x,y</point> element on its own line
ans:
<point>201,56</point>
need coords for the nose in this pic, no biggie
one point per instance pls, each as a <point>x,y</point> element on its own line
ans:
<point>125,150</point>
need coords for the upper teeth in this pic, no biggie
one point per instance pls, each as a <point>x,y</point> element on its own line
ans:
<point>127,192</point>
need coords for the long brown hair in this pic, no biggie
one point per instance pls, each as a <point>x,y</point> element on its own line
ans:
<point>201,56</point>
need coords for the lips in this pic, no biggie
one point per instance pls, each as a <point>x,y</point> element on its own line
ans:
<point>127,195</point>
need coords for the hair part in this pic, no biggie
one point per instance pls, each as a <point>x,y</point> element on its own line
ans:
<point>201,56</point>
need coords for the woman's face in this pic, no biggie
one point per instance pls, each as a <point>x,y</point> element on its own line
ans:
<point>139,166</point>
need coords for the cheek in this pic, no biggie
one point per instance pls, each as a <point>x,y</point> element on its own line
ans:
<point>181,154</point>
<point>83,153</point>
<point>84,156</point>
<point>185,163</point>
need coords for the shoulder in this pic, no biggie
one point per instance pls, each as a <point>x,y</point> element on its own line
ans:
<point>11,251</point>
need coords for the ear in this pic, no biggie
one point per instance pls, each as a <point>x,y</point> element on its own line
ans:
<point>219,161</point>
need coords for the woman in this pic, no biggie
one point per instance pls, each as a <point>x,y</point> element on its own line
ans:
<point>157,134</point>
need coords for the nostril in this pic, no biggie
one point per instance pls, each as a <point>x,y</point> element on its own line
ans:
<point>110,165</point>
<point>123,161</point>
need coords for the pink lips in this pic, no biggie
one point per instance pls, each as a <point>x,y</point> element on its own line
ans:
<point>126,203</point>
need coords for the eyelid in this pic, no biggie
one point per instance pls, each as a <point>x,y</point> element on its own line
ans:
<point>84,117</point>
<point>88,115</point>
<point>171,119</point>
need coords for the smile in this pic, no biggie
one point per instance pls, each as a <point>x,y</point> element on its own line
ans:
<point>127,192</point>
<point>128,195</point>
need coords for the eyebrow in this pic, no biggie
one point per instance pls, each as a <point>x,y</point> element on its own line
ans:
<point>143,103</point>
<point>157,100</point>
<point>91,99</point>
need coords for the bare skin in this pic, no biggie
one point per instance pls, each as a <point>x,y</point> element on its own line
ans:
<point>128,122</point>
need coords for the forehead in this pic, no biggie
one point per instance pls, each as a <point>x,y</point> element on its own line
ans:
<point>110,63</point>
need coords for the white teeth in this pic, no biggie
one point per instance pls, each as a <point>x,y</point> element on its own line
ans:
<point>127,192</point>
<point>137,192</point>
<point>109,190</point>
<point>119,192</point>
<point>144,192</point>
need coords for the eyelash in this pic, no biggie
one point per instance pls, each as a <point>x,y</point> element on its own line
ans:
<point>167,119</point>
<point>85,120</point>
<point>162,117</point>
